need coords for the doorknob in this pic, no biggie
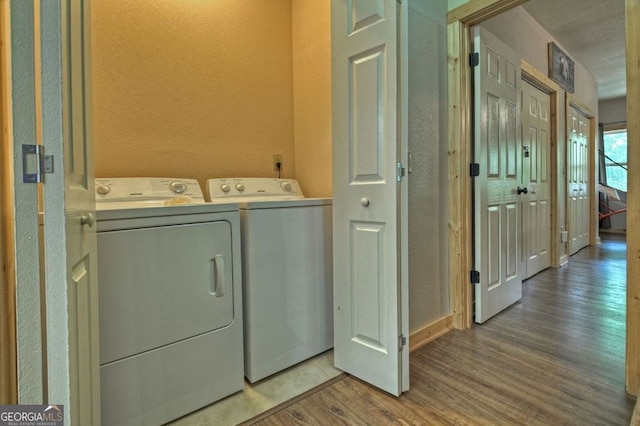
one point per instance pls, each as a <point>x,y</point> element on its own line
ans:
<point>88,219</point>
<point>364,201</point>
<point>523,190</point>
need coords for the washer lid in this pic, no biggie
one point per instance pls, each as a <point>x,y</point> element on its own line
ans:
<point>271,203</point>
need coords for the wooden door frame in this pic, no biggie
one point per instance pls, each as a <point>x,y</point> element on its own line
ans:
<point>632,20</point>
<point>8,386</point>
<point>460,144</point>
<point>459,22</point>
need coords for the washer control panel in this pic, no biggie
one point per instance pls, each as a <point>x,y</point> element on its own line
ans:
<point>253,188</point>
<point>148,189</point>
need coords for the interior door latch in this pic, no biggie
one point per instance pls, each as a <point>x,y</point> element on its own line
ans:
<point>401,172</point>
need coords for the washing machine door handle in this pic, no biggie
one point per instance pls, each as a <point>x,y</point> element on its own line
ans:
<point>217,286</point>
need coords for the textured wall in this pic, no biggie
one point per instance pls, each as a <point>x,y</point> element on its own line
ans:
<point>428,221</point>
<point>613,110</point>
<point>523,33</point>
<point>25,204</point>
<point>196,89</point>
<point>312,95</point>
<point>520,31</point>
<point>455,3</point>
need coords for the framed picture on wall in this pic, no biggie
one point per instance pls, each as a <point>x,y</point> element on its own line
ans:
<point>560,67</point>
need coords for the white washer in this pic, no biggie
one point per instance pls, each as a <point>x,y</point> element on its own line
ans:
<point>170,307</point>
<point>287,271</point>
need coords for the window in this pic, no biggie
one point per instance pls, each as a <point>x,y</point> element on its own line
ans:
<point>615,160</point>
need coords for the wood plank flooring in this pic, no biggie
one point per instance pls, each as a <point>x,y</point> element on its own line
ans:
<point>555,357</point>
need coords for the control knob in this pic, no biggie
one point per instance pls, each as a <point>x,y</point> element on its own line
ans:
<point>178,187</point>
<point>103,189</point>
<point>286,186</point>
<point>240,187</point>
<point>225,187</point>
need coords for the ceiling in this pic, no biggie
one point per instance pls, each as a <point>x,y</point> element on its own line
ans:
<point>592,32</point>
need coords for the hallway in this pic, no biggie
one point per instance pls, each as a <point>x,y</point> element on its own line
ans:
<point>555,357</point>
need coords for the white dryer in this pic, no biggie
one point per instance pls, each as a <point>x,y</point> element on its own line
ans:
<point>169,299</point>
<point>287,271</point>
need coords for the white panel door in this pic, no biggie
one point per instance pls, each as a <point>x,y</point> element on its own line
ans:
<point>498,195</point>
<point>578,176</point>
<point>536,221</point>
<point>80,215</point>
<point>70,231</point>
<point>369,203</point>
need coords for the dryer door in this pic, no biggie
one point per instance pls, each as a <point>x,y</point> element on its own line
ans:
<point>159,285</point>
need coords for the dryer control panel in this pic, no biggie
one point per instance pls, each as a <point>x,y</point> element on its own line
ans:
<point>244,188</point>
<point>136,190</point>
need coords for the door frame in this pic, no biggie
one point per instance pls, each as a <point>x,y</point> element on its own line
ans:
<point>459,22</point>
<point>460,145</point>
<point>632,19</point>
<point>9,386</point>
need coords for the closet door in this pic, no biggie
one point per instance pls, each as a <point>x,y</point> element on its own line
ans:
<point>369,193</point>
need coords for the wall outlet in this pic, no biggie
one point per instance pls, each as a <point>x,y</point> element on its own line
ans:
<point>277,159</point>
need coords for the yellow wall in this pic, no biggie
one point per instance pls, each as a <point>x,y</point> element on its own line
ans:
<point>312,95</point>
<point>192,89</point>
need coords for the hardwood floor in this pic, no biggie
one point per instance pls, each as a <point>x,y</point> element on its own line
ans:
<point>555,357</point>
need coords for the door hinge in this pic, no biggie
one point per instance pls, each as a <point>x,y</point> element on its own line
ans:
<point>402,342</point>
<point>401,172</point>
<point>474,169</point>
<point>474,59</point>
<point>35,164</point>
<point>475,277</point>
